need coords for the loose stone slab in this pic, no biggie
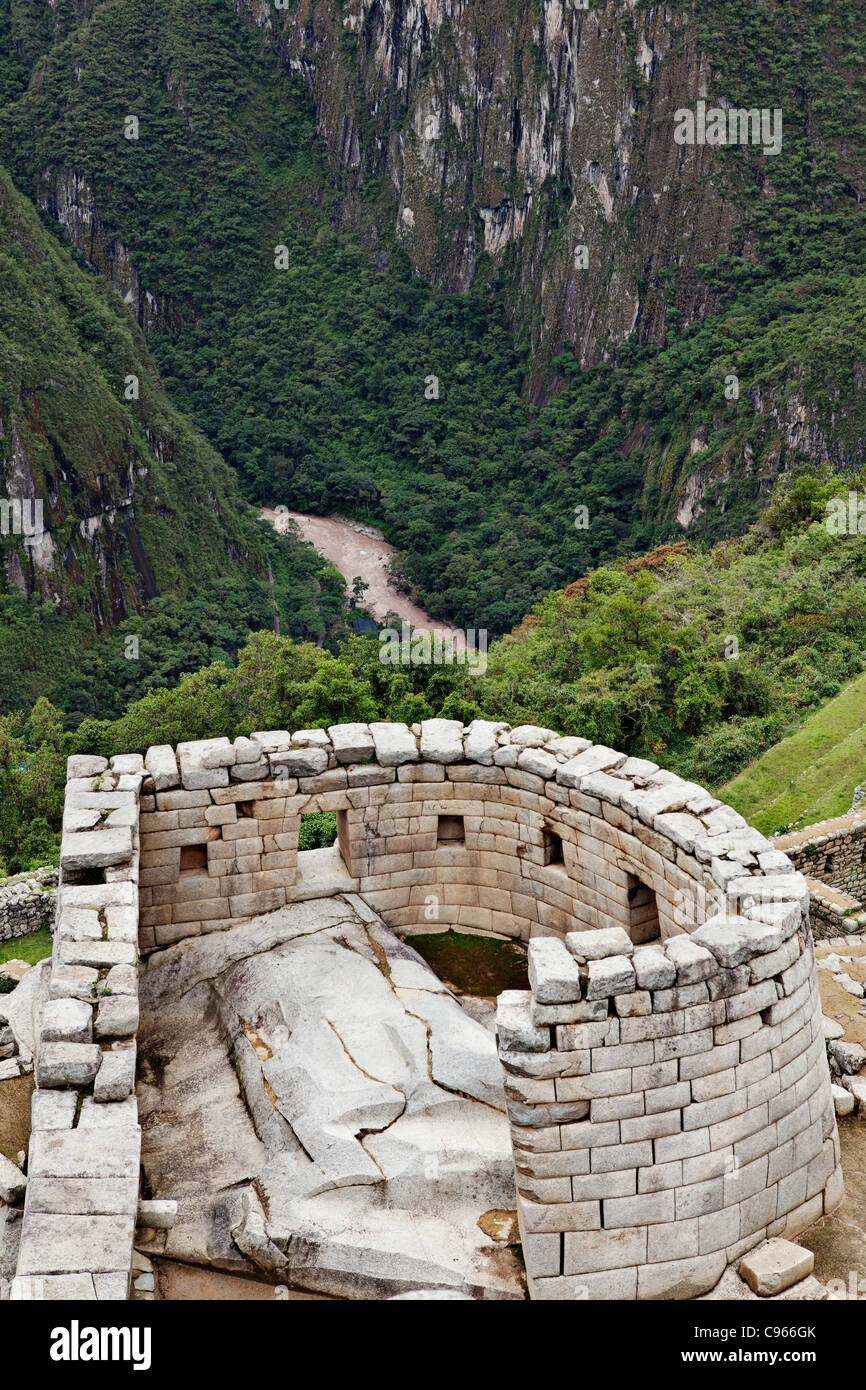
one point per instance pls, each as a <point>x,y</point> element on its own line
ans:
<point>298,762</point>
<point>652,968</point>
<point>394,744</point>
<point>843,1100</point>
<point>161,763</point>
<point>693,961</point>
<point>514,1025</point>
<point>352,743</point>
<point>62,1244</point>
<point>776,1266</point>
<point>85,765</point>
<point>157,1215</point>
<point>481,741</point>
<point>553,972</point>
<point>612,975</point>
<point>117,1016</point>
<point>95,849</point>
<point>99,1115</point>
<point>115,1079</point>
<point>66,1020</point>
<point>67,1064</point>
<point>596,945</point>
<point>734,940</point>
<point>595,759</point>
<point>442,740</point>
<point>53,1109</point>
<point>13,1183</point>
<point>77,1153</point>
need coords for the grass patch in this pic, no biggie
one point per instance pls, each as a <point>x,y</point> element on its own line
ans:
<point>811,775</point>
<point>476,965</point>
<point>32,948</point>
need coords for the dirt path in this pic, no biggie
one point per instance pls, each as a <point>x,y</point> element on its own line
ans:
<point>356,554</point>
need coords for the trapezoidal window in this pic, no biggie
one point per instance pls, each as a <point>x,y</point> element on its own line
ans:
<point>551,847</point>
<point>643,913</point>
<point>193,861</point>
<point>450,832</point>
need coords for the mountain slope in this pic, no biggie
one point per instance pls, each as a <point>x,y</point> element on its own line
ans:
<point>331,378</point>
<point>133,501</point>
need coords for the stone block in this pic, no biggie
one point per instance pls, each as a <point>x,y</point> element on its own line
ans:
<point>514,1026</point>
<point>553,972</point>
<point>66,1020</point>
<point>775,1266</point>
<point>115,1079</point>
<point>599,944</point>
<point>116,1016</point>
<point>694,963</point>
<point>66,1064</point>
<point>612,975</point>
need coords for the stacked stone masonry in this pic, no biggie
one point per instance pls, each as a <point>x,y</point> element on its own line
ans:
<point>84,1156</point>
<point>27,903</point>
<point>832,854</point>
<point>667,1084</point>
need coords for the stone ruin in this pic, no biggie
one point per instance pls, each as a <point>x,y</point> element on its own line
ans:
<point>665,1077</point>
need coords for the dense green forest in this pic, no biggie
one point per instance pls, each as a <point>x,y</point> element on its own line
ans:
<point>698,657</point>
<point>333,379</point>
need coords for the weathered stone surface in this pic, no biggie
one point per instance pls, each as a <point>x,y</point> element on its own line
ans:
<point>693,961</point>
<point>161,764</point>
<point>553,973</point>
<point>113,1115</point>
<point>595,759</point>
<point>157,1215</point>
<point>394,744</point>
<point>115,1079</point>
<point>652,968</point>
<point>442,740</point>
<point>95,849</point>
<point>13,1183</point>
<point>85,765</point>
<point>611,975</point>
<point>298,762</point>
<point>735,940</point>
<point>595,945</point>
<point>53,1109</point>
<point>850,1057</point>
<point>116,1016</point>
<point>352,743</point>
<point>514,1025</point>
<point>481,741</point>
<point>67,1064</point>
<point>67,1020</point>
<point>775,1266</point>
<point>56,1244</point>
<point>336,1000</point>
<point>843,1100</point>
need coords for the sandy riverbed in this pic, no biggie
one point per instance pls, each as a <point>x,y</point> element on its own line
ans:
<point>356,554</point>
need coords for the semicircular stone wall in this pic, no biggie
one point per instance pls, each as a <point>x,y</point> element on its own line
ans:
<point>666,1077</point>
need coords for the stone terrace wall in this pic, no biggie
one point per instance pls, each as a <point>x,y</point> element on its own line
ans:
<point>27,903</point>
<point>83,1165</point>
<point>833,851</point>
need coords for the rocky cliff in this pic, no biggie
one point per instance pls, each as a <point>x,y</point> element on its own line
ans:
<point>523,133</point>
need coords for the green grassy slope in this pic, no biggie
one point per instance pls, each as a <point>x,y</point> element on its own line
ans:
<point>811,775</point>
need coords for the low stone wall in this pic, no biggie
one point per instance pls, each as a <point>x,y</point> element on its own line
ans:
<point>83,1163</point>
<point>27,903</point>
<point>833,851</point>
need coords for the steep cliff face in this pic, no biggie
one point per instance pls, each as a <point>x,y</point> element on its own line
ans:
<point>108,496</point>
<point>539,135</point>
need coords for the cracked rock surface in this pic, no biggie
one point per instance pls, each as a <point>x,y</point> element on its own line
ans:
<point>324,1109</point>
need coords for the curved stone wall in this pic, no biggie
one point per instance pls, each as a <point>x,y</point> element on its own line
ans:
<point>666,1078</point>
